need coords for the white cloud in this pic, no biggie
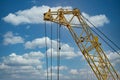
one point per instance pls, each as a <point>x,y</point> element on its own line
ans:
<point>86,73</point>
<point>66,51</point>
<point>65,54</point>
<point>114,58</point>
<point>34,55</point>
<point>4,66</point>
<point>34,15</point>
<point>60,68</point>
<point>19,66</point>
<point>54,75</point>
<point>97,20</point>
<point>39,42</point>
<point>30,64</point>
<point>83,74</point>
<point>74,71</point>
<point>9,38</point>
<point>31,58</point>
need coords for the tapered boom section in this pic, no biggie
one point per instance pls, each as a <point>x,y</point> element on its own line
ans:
<point>86,41</point>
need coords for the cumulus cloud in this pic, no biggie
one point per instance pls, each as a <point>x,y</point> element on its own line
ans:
<point>9,38</point>
<point>34,15</point>
<point>31,58</point>
<point>39,42</point>
<point>114,59</point>
<point>66,51</point>
<point>31,64</point>
<point>65,54</point>
<point>97,20</point>
<point>28,64</point>
<point>74,71</point>
<point>82,74</point>
<point>20,66</point>
<point>60,68</point>
<point>79,73</point>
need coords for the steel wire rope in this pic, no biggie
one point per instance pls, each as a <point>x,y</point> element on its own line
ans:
<point>103,34</point>
<point>51,51</point>
<point>68,38</point>
<point>58,51</point>
<point>102,37</point>
<point>46,50</point>
<point>105,41</point>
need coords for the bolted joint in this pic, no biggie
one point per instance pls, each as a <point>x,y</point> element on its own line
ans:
<point>76,12</point>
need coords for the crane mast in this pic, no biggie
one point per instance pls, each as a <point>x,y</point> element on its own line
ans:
<point>87,42</point>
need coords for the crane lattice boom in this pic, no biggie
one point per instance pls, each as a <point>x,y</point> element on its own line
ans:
<point>86,41</point>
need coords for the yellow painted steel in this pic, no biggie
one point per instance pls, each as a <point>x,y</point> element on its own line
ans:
<point>86,41</point>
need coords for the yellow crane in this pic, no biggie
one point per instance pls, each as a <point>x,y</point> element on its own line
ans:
<point>87,42</point>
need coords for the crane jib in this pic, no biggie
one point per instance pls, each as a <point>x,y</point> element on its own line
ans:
<point>87,42</point>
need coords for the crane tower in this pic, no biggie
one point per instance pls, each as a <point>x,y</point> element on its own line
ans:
<point>87,42</point>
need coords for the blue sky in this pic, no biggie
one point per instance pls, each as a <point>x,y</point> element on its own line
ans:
<point>22,40</point>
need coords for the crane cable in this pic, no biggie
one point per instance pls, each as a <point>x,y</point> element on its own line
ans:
<point>51,51</point>
<point>46,50</point>
<point>58,51</point>
<point>103,35</point>
<point>105,41</point>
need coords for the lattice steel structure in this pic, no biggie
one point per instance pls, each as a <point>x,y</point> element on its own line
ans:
<point>87,42</point>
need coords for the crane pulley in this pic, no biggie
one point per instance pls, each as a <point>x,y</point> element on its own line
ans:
<point>86,41</point>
